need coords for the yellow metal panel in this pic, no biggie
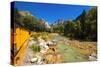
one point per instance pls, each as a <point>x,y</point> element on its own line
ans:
<point>21,37</point>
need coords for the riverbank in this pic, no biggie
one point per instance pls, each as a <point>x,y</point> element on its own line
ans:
<point>57,49</point>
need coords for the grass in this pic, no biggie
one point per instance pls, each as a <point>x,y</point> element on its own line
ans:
<point>35,48</point>
<point>84,48</point>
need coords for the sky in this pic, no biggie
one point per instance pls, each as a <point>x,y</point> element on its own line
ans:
<point>52,12</point>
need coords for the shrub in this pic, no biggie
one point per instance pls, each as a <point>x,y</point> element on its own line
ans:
<point>35,48</point>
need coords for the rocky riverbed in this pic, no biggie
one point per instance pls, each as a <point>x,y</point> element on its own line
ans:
<point>54,48</point>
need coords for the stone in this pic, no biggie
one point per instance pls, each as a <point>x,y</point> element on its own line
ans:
<point>31,42</point>
<point>92,58</point>
<point>33,60</point>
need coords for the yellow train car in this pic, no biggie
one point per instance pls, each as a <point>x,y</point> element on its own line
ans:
<point>19,41</point>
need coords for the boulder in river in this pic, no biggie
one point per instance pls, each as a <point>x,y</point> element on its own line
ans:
<point>92,57</point>
<point>34,60</point>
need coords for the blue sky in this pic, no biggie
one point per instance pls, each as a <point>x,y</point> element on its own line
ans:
<point>51,12</point>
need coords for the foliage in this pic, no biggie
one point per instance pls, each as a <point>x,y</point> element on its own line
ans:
<point>26,20</point>
<point>35,48</point>
<point>83,27</point>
